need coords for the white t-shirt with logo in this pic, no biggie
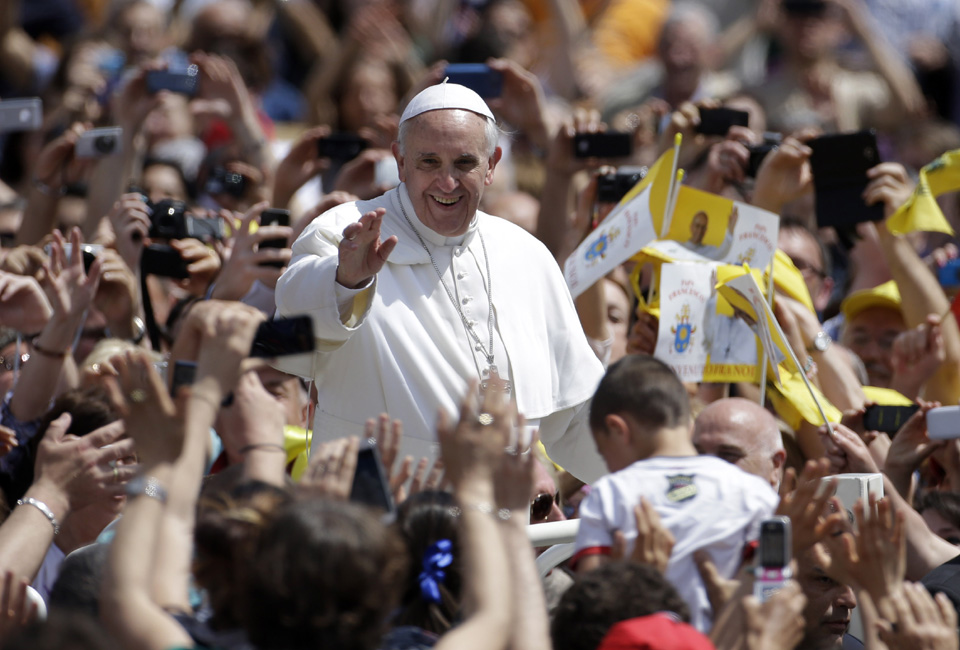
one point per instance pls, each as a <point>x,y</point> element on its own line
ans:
<point>703,501</point>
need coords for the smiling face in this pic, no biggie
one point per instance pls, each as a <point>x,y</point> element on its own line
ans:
<point>445,164</point>
<point>870,334</point>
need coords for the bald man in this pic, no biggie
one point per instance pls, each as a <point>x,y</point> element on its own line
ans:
<point>741,432</point>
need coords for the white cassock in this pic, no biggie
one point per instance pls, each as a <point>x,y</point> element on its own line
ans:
<point>399,346</point>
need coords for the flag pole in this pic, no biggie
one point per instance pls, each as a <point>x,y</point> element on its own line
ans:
<point>668,212</point>
<point>763,370</point>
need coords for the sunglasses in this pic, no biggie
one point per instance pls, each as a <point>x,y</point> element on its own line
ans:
<point>542,504</point>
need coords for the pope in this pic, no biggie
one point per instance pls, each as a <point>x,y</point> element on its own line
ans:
<point>416,293</point>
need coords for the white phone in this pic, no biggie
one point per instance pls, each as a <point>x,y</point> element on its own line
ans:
<point>943,423</point>
<point>99,143</point>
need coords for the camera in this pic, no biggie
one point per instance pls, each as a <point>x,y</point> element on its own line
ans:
<point>21,114</point>
<point>99,143</point>
<point>224,181</point>
<point>169,220</point>
<point>613,187</point>
<point>758,152</point>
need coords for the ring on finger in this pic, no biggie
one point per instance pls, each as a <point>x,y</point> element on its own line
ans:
<point>485,419</point>
<point>138,396</point>
<point>116,474</point>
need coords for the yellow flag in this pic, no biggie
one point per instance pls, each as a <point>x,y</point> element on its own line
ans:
<point>886,396</point>
<point>920,212</point>
<point>788,279</point>
<point>793,402</point>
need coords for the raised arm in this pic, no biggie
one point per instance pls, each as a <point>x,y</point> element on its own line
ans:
<point>920,292</point>
<point>471,453</point>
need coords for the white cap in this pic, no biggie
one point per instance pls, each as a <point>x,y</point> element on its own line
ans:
<point>446,95</point>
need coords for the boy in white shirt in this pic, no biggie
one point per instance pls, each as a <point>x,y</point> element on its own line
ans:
<point>640,418</point>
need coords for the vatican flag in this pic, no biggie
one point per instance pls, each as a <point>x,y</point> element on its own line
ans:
<point>921,212</point>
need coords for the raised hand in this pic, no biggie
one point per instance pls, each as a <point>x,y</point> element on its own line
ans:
<point>117,295</point>
<point>203,264</point>
<point>331,469</point>
<point>643,334</point>
<point>130,221</point>
<point>300,165</point>
<point>23,306</point>
<point>806,506</point>
<point>890,185</point>
<point>785,174</point>
<point>474,448</point>
<point>918,621</point>
<point>874,557</point>
<point>246,262</point>
<point>846,451</point>
<point>917,354</point>
<point>909,448</point>
<point>253,422</point>
<point>70,291</point>
<point>83,470</point>
<point>521,103</point>
<point>142,398</point>
<point>777,624</point>
<point>362,254</point>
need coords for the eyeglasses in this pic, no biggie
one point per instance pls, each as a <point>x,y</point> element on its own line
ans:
<point>808,270</point>
<point>542,504</point>
<point>9,363</point>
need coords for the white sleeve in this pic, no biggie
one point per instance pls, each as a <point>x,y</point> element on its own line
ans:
<point>567,438</point>
<point>309,286</point>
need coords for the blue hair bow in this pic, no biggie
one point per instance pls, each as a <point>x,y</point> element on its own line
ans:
<point>437,557</point>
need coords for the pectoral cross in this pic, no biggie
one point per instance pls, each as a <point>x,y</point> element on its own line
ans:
<point>492,374</point>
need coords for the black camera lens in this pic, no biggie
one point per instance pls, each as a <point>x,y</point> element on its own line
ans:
<point>105,143</point>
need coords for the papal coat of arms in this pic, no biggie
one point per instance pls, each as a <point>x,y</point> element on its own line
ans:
<point>683,331</point>
<point>598,249</point>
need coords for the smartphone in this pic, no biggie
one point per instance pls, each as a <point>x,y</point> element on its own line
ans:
<point>341,146</point>
<point>478,77</point>
<point>100,143</point>
<point>183,82</point>
<point>90,253</point>
<point>943,423</point>
<point>774,554</point>
<point>717,121</point>
<point>184,374</point>
<point>370,484</point>
<point>804,7</point>
<point>759,151</point>
<point>611,144</point>
<point>839,164</point>
<point>274,217</point>
<point>887,419</point>
<point>21,114</point>
<point>282,337</point>
<point>164,261</point>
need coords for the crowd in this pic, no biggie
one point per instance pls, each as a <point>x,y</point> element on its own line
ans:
<point>181,466</point>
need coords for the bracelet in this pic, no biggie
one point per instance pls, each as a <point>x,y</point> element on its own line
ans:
<point>46,190</point>
<point>47,352</point>
<point>147,486</point>
<point>503,514</point>
<point>808,365</point>
<point>272,446</point>
<point>43,508</point>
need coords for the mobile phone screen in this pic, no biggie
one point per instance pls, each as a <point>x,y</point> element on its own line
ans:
<point>478,77</point>
<point>370,486</point>
<point>717,121</point>
<point>602,145</point>
<point>839,163</point>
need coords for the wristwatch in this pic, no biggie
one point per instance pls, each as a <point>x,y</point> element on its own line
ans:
<point>821,342</point>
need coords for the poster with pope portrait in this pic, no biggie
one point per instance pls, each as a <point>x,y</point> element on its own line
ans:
<point>701,336</point>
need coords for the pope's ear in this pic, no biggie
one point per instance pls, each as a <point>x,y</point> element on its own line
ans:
<point>494,159</point>
<point>395,148</point>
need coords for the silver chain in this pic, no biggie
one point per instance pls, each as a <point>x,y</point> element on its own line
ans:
<point>466,323</point>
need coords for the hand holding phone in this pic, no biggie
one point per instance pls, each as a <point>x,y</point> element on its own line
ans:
<point>274,217</point>
<point>183,82</point>
<point>774,555</point>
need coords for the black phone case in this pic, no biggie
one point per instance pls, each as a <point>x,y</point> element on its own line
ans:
<point>839,164</point>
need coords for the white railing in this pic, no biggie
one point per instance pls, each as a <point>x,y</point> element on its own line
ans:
<point>559,536</point>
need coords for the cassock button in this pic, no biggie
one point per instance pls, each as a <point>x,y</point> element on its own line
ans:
<point>466,300</point>
<point>457,251</point>
<point>461,276</point>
